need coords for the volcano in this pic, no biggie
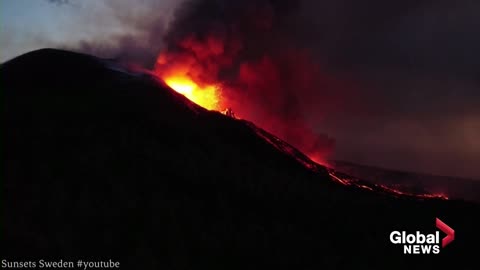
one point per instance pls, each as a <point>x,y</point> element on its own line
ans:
<point>105,163</point>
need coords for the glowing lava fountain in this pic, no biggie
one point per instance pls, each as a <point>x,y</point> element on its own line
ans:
<point>207,96</point>
<point>184,77</point>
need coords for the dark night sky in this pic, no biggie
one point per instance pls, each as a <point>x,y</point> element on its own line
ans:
<point>417,64</point>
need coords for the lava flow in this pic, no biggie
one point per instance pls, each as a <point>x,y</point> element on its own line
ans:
<point>227,56</point>
<point>207,96</point>
<point>181,74</point>
<point>351,181</point>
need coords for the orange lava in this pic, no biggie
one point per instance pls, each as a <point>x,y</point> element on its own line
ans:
<point>383,188</point>
<point>207,96</point>
<point>184,75</point>
<point>402,193</point>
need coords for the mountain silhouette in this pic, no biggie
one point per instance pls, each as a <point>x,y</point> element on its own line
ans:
<point>102,163</point>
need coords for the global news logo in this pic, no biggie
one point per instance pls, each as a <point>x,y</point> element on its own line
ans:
<point>420,243</point>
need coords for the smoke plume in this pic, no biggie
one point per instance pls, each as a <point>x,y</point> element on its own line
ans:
<point>256,51</point>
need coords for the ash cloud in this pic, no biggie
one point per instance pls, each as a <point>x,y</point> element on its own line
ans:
<point>417,63</point>
<point>258,51</point>
<point>139,47</point>
<point>137,36</point>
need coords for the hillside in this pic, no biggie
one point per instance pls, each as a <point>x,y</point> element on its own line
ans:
<point>102,163</point>
<point>453,187</point>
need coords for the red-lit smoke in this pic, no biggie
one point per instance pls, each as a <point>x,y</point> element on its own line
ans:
<point>243,55</point>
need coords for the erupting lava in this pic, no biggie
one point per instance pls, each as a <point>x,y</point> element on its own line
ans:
<point>207,96</point>
<point>184,75</point>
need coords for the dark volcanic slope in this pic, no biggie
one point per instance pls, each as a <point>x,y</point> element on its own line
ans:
<point>453,187</point>
<point>103,164</point>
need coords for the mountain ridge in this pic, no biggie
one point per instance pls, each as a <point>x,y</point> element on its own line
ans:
<point>106,164</point>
